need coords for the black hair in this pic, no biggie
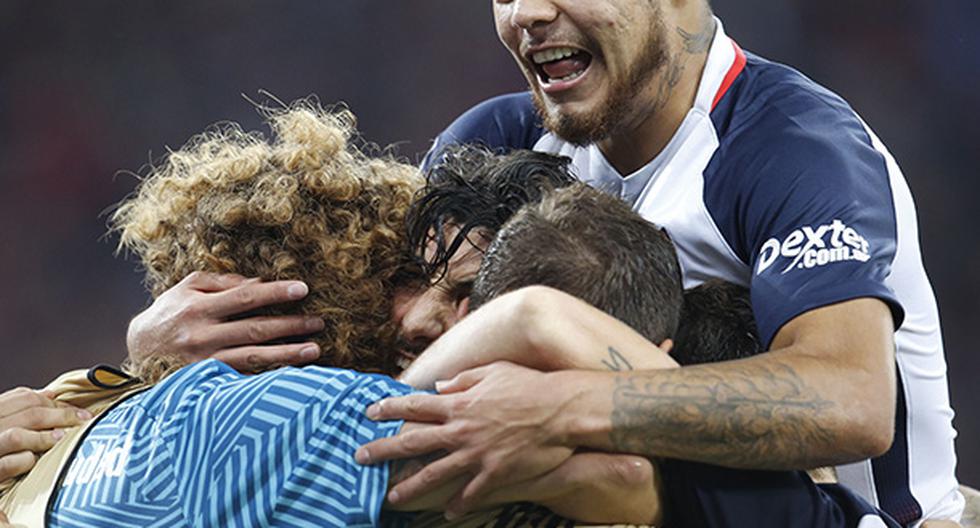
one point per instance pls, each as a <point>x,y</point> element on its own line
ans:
<point>474,188</point>
<point>716,325</point>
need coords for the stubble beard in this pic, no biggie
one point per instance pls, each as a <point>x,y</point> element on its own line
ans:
<point>613,115</point>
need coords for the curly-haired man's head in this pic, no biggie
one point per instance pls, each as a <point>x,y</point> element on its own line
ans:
<point>304,204</point>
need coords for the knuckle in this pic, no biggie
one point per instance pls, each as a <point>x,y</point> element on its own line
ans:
<point>7,439</point>
<point>186,311</point>
<point>184,338</point>
<point>244,296</point>
<point>428,477</point>
<point>194,277</point>
<point>255,332</point>
<point>34,417</point>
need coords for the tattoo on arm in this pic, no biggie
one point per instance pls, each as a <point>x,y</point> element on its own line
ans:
<point>700,41</point>
<point>748,415</point>
<point>616,362</point>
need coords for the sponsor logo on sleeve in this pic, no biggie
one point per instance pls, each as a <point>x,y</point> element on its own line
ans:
<point>809,247</point>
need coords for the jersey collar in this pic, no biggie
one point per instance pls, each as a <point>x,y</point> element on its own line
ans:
<point>726,60</point>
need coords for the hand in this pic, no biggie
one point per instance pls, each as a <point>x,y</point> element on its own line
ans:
<point>496,422</point>
<point>196,320</point>
<point>593,487</point>
<point>30,424</point>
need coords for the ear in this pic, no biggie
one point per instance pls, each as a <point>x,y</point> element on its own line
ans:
<point>666,345</point>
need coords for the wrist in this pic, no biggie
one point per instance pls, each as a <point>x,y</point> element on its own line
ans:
<point>585,408</point>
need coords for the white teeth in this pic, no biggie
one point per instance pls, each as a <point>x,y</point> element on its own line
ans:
<point>552,54</point>
<point>570,76</point>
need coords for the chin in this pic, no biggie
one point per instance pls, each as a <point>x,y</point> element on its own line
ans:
<point>578,123</point>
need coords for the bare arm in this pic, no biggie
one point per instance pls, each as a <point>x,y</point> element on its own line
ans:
<point>825,395</point>
<point>539,328</point>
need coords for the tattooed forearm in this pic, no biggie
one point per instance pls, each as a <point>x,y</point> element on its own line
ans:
<point>750,415</point>
<point>700,41</point>
<point>616,361</point>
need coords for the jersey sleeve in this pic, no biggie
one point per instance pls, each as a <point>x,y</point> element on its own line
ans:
<point>503,123</point>
<point>809,208</point>
<point>278,450</point>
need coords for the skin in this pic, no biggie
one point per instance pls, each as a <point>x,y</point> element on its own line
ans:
<point>424,314</point>
<point>646,60</point>
<point>195,320</point>
<point>824,395</point>
<point>549,330</point>
<point>31,422</point>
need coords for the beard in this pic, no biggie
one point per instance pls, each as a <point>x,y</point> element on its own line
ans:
<point>611,116</point>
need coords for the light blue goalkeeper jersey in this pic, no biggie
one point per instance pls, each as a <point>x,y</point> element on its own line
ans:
<point>211,447</point>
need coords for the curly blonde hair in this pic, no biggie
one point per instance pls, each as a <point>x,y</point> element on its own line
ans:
<point>306,205</point>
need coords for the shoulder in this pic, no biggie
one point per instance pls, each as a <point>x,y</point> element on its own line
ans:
<point>775,113</point>
<point>505,122</point>
<point>788,147</point>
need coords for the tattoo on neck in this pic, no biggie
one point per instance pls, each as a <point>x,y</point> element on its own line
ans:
<point>616,362</point>
<point>738,415</point>
<point>698,42</point>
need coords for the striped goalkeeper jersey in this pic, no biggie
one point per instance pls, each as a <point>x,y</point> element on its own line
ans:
<point>211,447</point>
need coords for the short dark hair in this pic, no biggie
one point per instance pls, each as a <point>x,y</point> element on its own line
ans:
<point>476,189</point>
<point>716,325</point>
<point>593,246</point>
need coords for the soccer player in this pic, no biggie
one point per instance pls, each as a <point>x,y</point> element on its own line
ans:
<point>762,178</point>
<point>210,446</point>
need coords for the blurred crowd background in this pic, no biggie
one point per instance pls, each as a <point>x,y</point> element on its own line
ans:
<point>91,92</point>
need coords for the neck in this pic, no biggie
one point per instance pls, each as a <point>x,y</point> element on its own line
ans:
<point>673,91</point>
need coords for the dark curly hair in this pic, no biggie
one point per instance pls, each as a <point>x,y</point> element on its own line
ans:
<point>305,205</point>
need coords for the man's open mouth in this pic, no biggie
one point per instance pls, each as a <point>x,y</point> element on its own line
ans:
<point>560,65</point>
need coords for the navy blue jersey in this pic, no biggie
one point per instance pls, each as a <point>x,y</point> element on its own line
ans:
<point>211,447</point>
<point>774,183</point>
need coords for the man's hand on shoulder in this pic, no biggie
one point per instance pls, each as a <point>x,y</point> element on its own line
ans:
<point>30,424</point>
<point>199,318</point>
<point>497,422</point>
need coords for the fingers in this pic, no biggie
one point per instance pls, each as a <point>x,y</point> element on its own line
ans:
<point>41,418</point>
<point>255,358</point>
<point>16,400</point>
<point>462,381</point>
<point>16,464</point>
<point>255,330</point>
<point>468,496</point>
<point>467,379</point>
<point>407,444</point>
<point>212,282</point>
<point>414,408</point>
<point>251,295</point>
<point>429,478</point>
<point>18,439</point>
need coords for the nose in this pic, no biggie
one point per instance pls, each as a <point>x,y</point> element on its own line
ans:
<point>426,316</point>
<point>531,14</point>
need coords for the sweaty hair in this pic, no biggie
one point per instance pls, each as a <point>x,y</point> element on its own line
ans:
<point>716,325</point>
<point>474,189</point>
<point>304,204</point>
<point>593,246</point>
